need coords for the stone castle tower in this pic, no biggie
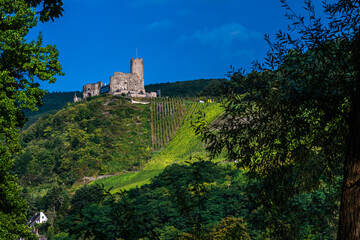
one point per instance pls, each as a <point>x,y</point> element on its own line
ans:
<point>137,67</point>
<point>129,84</point>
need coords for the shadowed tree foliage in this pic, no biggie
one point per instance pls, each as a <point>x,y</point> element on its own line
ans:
<point>191,199</point>
<point>22,65</point>
<point>49,9</point>
<point>300,114</point>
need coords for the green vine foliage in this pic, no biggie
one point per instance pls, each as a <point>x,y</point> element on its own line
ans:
<point>166,117</point>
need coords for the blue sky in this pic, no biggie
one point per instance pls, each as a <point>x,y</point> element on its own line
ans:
<point>178,39</point>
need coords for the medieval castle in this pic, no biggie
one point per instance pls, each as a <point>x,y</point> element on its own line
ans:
<point>126,84</point>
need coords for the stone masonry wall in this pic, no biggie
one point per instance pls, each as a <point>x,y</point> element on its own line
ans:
<point>137,67</point>
<point>131,84</point>
<point>126,83</point>
<point>92,89</point>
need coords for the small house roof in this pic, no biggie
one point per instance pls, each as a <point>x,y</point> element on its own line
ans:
<point>33,219</point>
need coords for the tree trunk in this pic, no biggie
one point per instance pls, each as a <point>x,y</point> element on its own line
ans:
<point>349,221</point>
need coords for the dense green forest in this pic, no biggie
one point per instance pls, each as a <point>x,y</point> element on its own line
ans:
<point>198,200</point>
<point>182,201</point>
<point>193,88</point>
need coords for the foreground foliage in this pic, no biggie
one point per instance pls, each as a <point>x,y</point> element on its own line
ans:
<point>198,200</point>
<point>299,116</point>
<point>24,63</point>
<point>183,199</point>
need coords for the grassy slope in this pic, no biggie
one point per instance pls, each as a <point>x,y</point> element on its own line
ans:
<point>179,149</point>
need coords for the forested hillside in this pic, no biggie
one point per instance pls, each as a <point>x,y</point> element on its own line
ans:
<point>104,135</point>
<point>193,88</point>
<point>108,135</point>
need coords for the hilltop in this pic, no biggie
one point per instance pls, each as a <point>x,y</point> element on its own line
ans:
<point>54,101</point>
<point>120,145</point>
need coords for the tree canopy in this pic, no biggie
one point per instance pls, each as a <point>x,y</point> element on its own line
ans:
<point>23,64</point>
<point>297,121</point>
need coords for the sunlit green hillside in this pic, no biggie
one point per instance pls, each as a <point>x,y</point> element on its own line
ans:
<point>180,148</point>
<point>108,136</point>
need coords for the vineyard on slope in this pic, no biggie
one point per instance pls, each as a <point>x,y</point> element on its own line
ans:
<point>166,116</point>
<point>183,145</point>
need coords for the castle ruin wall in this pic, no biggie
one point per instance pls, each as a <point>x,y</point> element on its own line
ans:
<point>92,89</point>
<point>130,84</point>
<point>126,83</point>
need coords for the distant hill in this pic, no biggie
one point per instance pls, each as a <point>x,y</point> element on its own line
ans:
<point>193,88</point>
<point>51,102</point>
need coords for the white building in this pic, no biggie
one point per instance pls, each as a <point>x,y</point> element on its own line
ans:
<point>38,218</point>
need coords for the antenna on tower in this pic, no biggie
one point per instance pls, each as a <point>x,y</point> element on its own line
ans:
<point>136,52</point>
